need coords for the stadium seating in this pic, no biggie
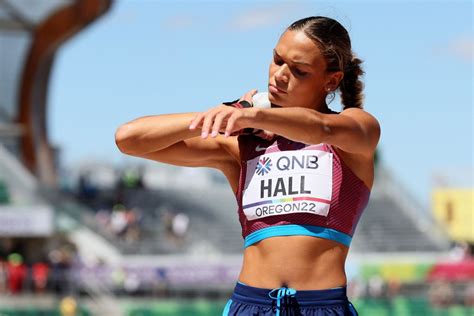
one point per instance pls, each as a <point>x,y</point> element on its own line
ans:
<point>385,227</point>
<point>212,225</point>
<point>387,224</point>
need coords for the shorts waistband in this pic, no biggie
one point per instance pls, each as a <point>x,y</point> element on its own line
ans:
<point>253,295</point>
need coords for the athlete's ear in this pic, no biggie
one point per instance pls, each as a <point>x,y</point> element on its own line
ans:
<point>334,78</point>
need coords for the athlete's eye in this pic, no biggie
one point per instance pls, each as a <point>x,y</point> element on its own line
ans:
<point>277,61</point>
<point>300,73</point>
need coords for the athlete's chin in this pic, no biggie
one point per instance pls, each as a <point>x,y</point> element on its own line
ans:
<point>277,99</point>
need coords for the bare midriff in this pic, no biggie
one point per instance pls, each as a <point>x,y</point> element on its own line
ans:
<point>299,262</point>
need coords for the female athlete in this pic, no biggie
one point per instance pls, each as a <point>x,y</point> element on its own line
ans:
<point>301,180</point>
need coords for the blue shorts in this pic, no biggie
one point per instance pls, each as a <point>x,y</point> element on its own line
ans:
<point>248,300</point>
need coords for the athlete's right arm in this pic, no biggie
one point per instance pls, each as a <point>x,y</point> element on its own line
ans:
<point>167,138</point>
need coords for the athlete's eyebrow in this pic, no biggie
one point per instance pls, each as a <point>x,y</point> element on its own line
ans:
<point>293,61</point>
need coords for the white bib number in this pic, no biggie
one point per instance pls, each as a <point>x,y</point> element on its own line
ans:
<point>294,181</point>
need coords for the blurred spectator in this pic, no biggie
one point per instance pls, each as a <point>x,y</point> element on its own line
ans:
<point>86,190</point>
<point>40,271</point>
<point>356,288</point>
<point>3,276</point>
<point>167,223</point>
<point>469,295</point>
<point>460,251</point>
<point>103,216</point>
<point>175,226</point>
<point>68,306</point>
<point>132,178</point>
<point>60,269</point>
<point>16,271</point>
<point>376,286</point>
<point>180,227</point>
<point>132,283</point>
<point>118,279</point>
<point>441,294</point>
<point>118,220</point>
<point>121,222</point>
<point>393,287</point>
<point>132,233</point>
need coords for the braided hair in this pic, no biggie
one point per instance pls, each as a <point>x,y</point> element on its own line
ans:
<point>334,42</point>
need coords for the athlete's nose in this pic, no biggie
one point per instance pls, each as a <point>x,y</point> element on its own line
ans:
<point>281,75</point>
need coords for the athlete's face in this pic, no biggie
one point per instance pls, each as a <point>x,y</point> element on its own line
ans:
<point>298,70</point>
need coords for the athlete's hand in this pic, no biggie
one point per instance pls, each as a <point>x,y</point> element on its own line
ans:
<point>222,118</point>
<point>248,96</point>
<point>260,133</point>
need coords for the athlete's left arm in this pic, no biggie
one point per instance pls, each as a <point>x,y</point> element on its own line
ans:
<point>353,130</point>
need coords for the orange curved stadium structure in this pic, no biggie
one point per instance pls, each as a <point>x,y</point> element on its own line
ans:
<point>31,33</point>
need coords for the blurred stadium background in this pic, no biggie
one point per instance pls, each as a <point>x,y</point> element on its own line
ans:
<point>141,239</point>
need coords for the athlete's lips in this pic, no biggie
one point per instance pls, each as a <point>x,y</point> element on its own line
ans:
<point>275,89</point>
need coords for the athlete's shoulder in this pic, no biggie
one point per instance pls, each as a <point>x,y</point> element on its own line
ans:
<point>359,113</point>
<point>367,120</point>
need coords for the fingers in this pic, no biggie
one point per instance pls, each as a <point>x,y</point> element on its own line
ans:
<point>251,93</point>
<point>208,120</point>
<point>217,123</point>
<point>248,96</point>
<point>196,121</point>
<point>230,125</point>
<point>202,119</point>
<point>212,120</point>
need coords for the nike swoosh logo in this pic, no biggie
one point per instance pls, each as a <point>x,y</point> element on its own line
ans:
<point>258,148</point>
